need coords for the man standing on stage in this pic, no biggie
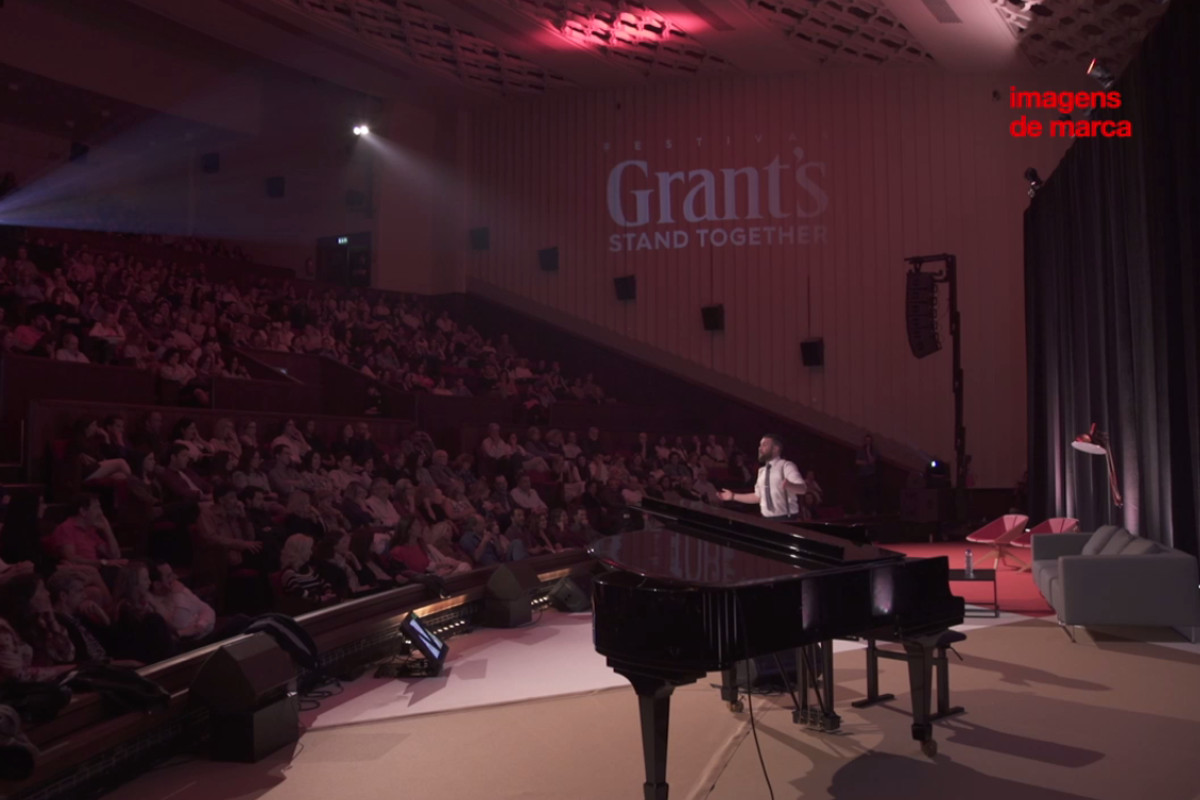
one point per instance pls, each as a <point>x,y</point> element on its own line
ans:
<point>780,487</point>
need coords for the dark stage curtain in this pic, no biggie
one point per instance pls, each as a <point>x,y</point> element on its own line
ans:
<point>1112,251</point>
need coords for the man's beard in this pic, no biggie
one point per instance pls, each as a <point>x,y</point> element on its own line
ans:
<point>763,458</point>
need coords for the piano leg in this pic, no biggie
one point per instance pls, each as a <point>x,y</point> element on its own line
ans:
<point>654,707</point>
<point>729,690</point>
<point>920,681</point>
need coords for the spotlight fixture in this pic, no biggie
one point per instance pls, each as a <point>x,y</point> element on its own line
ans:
<point>1102,75</point>
<point>1035,182</point>
<point>360,130</point>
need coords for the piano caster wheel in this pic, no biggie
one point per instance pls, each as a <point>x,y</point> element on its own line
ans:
<point>929,748</point>
<point>737,706</point>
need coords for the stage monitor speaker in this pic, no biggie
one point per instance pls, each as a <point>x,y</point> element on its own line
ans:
<point>812,352</point>
<point>548,259</point>
<point>79,151</point>
<point>508,596</point>
<point>713,318</point>
<point>275,186</point>
<point>572,594</point>
<point>921,312</point>
<point>480,238</point>
<point>250,736</point>
<point>626,287</point>
<point>210,163</point>
<point>243,675</point>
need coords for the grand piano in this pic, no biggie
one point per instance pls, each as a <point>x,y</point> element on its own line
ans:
<point>711,587</point>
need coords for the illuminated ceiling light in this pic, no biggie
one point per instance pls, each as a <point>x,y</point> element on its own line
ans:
<point>361,130</point>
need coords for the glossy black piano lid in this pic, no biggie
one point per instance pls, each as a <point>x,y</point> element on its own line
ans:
<point>808,549</point>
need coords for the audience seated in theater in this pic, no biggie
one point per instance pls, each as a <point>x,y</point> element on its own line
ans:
<point>456,505</point>
<point>225,527</point>
<point>353,507</point>
<point>581,528</point>
<point>87,452</point>
<point>298,578</point>
<point>485,545</point>
<point>150,437</point>
<point>541,537</point>
<point>138,631</point>
<point>192,621</point>
<point>249,437</point>
<point>187,433</point>
<point>499,502</point>
<point>225,439</point>
<point>33,644</point>
<point>340,568</point>
<point>419,556</point>
<point>303,517</point>
<point>85,544</point>
<point>440,471</point>
<point>84,622</point>
<point>559,531</point>
<point>70,351</point>
<point>371,550</point>
<point>313,477</point>
<point>525,496</point>
<point>379,505</point>
<point>181,483</point>
<point>284,477</point>
<point>291,438</point>
<point>251,467</point>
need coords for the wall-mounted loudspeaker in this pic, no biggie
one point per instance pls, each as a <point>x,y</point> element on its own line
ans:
<point>480,238</point>
<point>626,287</point>
<point>79,151</point>
<point>210,163</point>
<point>548,259</point>
<point>713,318</point>
<point>275,186</point>
<point>812,352</point>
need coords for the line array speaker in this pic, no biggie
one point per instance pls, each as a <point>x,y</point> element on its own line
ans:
<point>921,314</point>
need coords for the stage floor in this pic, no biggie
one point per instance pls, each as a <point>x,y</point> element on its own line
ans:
<point>533,714</point>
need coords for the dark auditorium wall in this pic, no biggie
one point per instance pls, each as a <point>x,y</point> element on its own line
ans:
<point>200,96</point>
<point>872,166</point>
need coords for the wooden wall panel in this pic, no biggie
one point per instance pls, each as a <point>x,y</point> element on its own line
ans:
<point>914,162</point>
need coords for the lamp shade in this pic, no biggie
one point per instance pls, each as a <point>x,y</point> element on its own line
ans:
<point>1094,442</point>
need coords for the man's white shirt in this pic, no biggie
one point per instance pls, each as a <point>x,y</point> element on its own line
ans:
<point>783,502</point>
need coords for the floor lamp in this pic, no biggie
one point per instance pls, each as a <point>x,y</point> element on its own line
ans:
<point>1096,443</point>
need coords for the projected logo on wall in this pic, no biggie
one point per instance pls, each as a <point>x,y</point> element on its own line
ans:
<point>777,203</point>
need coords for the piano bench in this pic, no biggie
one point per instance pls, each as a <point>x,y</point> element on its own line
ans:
<point>940,665</point>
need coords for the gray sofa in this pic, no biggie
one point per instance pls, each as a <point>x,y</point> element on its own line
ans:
<point>1112,577</point>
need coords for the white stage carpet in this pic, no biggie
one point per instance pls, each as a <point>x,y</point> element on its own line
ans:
<point>495,666</point>
<point>486,667</point>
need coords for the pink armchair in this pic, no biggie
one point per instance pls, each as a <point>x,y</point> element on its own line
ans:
<point>998,535</point>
